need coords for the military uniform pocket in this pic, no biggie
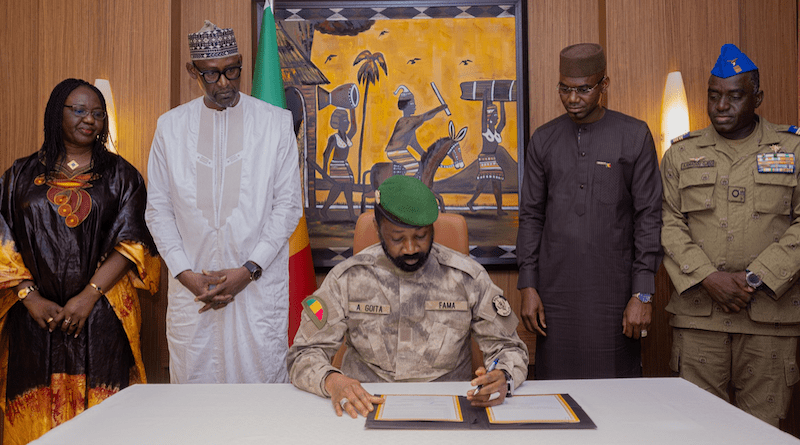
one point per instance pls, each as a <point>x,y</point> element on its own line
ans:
<point>694,302</point>
<point>366,337</point>
<point>792,373</point>
<point>444,346</point>
<point>784,310</point>
<point>696,189</point>
<point>773,192</point>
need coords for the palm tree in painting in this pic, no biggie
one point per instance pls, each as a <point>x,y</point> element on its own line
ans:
<point>368,73</point>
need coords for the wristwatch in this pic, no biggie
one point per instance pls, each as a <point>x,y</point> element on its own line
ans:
<point>753,280</point>
<point>643,297</point>
<point>510,383</point>
<point>254,269</point>
<point>25,291</point>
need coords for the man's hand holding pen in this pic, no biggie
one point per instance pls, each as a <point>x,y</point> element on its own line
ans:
<point>488,383</point>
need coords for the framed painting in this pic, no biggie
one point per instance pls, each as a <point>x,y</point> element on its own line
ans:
<point>432,89</point>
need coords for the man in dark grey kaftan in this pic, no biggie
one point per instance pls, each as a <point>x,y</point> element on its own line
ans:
<point>588,243</point>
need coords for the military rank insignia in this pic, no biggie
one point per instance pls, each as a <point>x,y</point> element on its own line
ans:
<point>316,310</point>
<point>775,162</point>
<point>501,306</point>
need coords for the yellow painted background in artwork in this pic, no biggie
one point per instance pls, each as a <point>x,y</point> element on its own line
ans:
<point>440,45</point>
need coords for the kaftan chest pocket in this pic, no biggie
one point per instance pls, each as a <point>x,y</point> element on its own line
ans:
<point>606,182</point>
<point>773,192</point>
<point>696,188</point>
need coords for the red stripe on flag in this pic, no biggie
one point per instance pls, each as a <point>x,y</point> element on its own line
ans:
<point>302,283</point>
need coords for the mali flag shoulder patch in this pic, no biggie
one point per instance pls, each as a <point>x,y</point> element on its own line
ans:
<point>316,310</point>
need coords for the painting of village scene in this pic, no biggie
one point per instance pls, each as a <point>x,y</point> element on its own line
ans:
<point>428,91</point>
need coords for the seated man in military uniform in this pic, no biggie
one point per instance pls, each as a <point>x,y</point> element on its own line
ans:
<point>407,309</point>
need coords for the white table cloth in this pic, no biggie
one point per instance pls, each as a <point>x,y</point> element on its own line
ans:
<point>626,411</point>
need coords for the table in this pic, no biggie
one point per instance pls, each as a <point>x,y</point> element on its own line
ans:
<point>626,411</point>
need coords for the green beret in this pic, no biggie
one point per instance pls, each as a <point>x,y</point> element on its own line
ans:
<point>407,200</point>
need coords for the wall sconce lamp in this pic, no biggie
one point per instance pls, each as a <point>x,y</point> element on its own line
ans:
<point>105,87</point>
<point>674,111</point>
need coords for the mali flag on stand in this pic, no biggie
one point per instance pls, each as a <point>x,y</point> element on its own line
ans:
<point>268,86</point>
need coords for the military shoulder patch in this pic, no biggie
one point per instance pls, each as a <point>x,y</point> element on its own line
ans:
<point>793,129</point>
<point>316,310</point>
<point>501,306</point>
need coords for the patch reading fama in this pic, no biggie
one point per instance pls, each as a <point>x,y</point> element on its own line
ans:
<point>446,306</point>
<point>501,306</point>
<point>367,308</point>
<point>698,163</point>
<point>316,310</point>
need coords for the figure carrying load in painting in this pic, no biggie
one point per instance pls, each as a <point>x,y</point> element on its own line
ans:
<point>490,171</point>
<point>339,144</point>
<point>405,133</point>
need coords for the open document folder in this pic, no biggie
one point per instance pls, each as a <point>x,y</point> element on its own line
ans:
<point>455,412</point>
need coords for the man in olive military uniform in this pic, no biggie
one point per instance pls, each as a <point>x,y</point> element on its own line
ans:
<point>730,235</point>
<point>407,309</point>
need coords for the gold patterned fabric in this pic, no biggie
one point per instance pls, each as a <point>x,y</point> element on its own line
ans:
<point>56,231</point>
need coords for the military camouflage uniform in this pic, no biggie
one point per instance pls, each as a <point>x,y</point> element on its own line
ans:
<point>406,326</point>
<point>721,213</point>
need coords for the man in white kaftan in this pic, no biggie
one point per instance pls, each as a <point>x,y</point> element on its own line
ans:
<point>223,199</point>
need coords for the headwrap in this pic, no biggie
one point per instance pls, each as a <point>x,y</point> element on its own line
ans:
<point>212,42</point>
<point>582,60</point>
<point>732,61</point>
<point>405,93</point>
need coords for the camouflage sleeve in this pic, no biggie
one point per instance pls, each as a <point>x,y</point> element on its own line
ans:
<point>494,328</point>
<point>322,329</point>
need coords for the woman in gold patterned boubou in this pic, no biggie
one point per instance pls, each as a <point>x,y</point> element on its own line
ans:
<point>74,248</point>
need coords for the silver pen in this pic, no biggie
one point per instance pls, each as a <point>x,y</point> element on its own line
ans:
<point>488,370</point>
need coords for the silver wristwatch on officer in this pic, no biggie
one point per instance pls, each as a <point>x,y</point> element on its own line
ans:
<point>753,280</point>
<point>510,383</point>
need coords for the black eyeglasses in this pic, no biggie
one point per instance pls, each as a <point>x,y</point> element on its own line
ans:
<point>563,89</point>
<point>81,112</point>
<point>212,76</point>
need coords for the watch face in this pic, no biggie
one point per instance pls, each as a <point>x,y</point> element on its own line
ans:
<point>753,280</point>
<point>254,269</point>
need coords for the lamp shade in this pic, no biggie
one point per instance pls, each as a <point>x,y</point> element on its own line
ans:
<point>105,87</point>
<point>674,110</point>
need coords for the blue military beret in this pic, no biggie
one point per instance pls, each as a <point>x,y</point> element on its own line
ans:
<point>732,61</point>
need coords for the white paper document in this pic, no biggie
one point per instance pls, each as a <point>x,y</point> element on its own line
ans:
<point>419,407</point>
<point>532,408</point>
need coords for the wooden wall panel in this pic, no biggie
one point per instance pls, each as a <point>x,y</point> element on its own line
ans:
<point>19,58</point>
<point>553,25</point>
<point>767,33</point>
<point>137,65</point>
<point>647,39</point>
